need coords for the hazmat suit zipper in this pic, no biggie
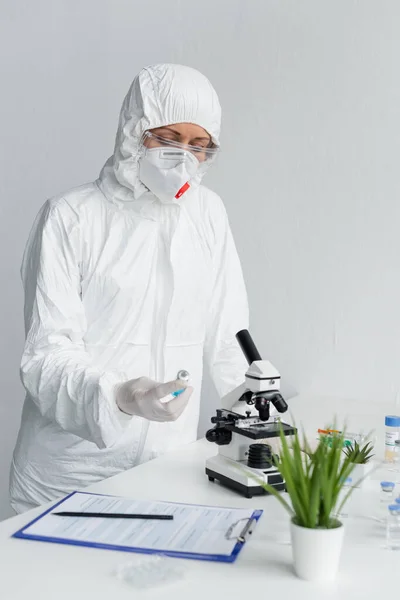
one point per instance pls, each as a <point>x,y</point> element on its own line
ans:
<point>163,304</point>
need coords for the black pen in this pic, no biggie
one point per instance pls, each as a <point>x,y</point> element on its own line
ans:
<point>114,515</point>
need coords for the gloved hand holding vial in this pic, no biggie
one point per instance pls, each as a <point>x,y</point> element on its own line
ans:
<point>154,401</point>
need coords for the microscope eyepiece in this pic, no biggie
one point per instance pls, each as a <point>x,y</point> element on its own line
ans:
<point>247,345</point>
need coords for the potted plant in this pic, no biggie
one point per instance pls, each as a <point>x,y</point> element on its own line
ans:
<point>315,482</point>
<point>361,457</point>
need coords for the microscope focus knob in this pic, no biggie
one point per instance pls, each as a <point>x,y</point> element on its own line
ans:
<point>219,436</point>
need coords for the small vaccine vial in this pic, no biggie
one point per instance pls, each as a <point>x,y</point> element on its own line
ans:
<point>386,498</point>
<point>393,527</point>
<point>387,489</point>
<point>392,434</point>
<point>181,376</point>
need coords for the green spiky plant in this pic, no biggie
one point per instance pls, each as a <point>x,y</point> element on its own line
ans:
<point>359,455</point>
<point>314,480</point>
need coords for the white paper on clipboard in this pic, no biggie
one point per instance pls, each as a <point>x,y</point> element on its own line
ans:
<point>194,529</point>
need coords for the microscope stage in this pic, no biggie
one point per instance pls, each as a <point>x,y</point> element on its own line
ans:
<point>260,430</point>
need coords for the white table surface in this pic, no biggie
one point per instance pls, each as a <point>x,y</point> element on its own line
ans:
<point>44,571</point>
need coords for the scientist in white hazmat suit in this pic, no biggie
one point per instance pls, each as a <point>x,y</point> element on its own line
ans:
<point>128,280</point>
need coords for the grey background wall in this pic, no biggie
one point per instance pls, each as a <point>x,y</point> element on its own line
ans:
<point>309,169</point>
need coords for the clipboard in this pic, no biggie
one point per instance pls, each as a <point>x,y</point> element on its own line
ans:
<point>236,534</point>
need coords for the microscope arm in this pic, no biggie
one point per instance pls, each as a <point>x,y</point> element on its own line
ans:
<point>231,400</point>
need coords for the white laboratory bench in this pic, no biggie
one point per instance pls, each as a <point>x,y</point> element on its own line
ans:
<point>45,571</point>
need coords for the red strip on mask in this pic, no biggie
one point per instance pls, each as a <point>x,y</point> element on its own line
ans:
<point>183,189</point>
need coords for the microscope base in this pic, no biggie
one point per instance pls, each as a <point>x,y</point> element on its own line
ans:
<point>229,474</point>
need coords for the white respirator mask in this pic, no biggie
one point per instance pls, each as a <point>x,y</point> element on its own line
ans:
<point>166,168</point>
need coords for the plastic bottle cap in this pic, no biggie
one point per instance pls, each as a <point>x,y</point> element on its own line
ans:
<point>397,500</point>
<point>387,484</point>
<point>394,507</point>
<point>392,421</point>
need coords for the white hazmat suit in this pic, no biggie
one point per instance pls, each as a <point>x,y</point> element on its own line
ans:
<point>119,285</point>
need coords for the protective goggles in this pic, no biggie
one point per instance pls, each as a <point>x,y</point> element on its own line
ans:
<point>205,155</point>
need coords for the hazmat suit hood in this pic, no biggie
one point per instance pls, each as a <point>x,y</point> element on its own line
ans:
<point>160,95</point>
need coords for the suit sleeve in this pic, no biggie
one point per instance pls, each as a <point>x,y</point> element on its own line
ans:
<point>56,371</point>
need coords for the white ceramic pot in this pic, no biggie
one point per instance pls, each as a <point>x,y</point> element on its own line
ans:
<point>361,472</point>
<point>316,552</point>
